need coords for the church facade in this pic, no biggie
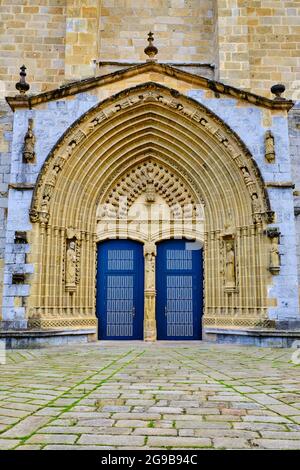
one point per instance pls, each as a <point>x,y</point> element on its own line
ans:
<point>150,188</point>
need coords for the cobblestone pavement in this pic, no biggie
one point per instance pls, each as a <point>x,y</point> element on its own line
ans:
<point>142,396</point>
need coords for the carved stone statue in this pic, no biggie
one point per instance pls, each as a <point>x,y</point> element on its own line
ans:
<point>274,257</point>
<point>53,175</point>
<point>246,175</point>
<point>270,147</point>
<point>29,141</point>
<point>71,264</point>
<point>150,253</point>
<point>255,203</point>
<point>150,322</point>
<point>230,264</point>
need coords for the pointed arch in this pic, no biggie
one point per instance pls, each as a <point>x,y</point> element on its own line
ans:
<point>215,168</point>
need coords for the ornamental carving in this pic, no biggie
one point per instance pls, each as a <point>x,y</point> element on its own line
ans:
<point>29,142</point>
<point>154,95</point>
<point>151,178</point>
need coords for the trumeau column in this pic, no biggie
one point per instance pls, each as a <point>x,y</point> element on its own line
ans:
<point>82,42</point>
<point>150,292</point>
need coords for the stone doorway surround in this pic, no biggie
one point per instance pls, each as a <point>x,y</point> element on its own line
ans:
<point>93,164</point>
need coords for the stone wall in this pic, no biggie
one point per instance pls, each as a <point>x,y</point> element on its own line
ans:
<point>6,119</point>
<point>259,44</point>
<point>251,123</point>
<point>294,133</point>
<point>183,29</point>
<point>33,33</point>
<point>253,44</point>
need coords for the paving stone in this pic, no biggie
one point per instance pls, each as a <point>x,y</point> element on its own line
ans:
<point>276,444</point>
<point>230,443</point>
<point>155,432</point>
<point>53,439</point>
<point>178,441</point>
<point>26,426</point>
<point>266,419</point>
<point>6,444</point>
<point>111,440</point>
<point>170,394</point>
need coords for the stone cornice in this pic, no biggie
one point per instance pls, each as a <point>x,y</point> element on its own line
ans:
<point>280,184</point>
<point>21,186</point>
<point>80,86</point>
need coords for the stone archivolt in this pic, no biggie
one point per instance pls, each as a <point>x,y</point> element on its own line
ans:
<point>152,178</point>
<point>192,157</point>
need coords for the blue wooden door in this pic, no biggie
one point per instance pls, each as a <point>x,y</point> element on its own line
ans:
<point>120,290</point>
<point>179,281</point>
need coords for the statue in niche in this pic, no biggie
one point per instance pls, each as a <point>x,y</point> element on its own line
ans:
<point>29,141</point>
<point>53,175</point>
<point>230,264</point>
<point>274,253</point>
<point>150,254</point>
<point>71,264</point>
<point>246,175</point>
<point>255,203</point>
<point>270,147</point>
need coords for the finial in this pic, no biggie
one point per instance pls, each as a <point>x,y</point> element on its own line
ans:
<point>151,50</point>
<point>22,86</point>
<point>278,90</point>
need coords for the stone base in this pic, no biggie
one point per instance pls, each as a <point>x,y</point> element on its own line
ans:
<point>253,337</point>
<point>23,339</point>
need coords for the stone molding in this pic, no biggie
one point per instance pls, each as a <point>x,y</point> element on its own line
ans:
<point>149,94</point>
<point>80,86</point>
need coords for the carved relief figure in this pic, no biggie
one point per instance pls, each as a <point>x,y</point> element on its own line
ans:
<point>71,264</point>
<point>150,253</point>
<point>270,147</point>
<point>150,189</point>
<point>246,175</point>
<point>255,203</point>
<point>230,264</point>
<point>274,235</point>
<point>29,141</point>
<point>275,258</point>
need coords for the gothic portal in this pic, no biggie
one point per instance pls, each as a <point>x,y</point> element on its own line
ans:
<point>142,206</point>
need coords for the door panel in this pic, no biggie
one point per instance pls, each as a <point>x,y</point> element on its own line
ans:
<point>179,279</point>
<point>120,290</point>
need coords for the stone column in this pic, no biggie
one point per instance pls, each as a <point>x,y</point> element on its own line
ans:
<point>150,292</point>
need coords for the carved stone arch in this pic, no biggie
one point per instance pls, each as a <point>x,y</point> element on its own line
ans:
<point>149,95</point>
<point>153,176</point>
<point>202,151</point>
